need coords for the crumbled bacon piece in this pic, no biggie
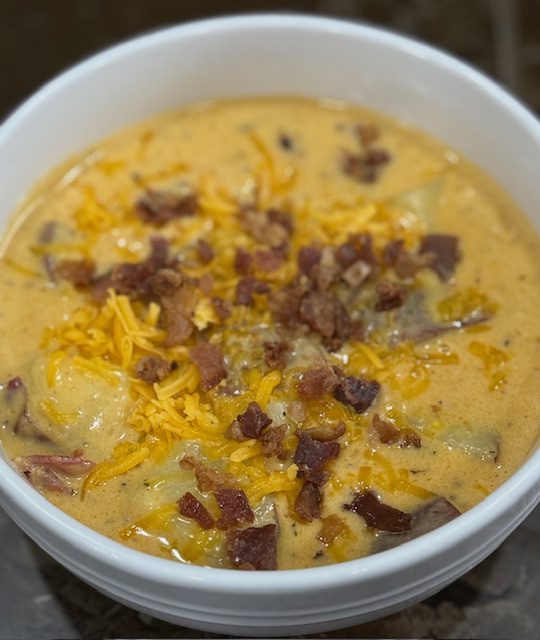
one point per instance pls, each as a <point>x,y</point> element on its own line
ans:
<point>308,502</point>
<point>190,507</point>
<point>49,471</point>
<point>166,282</point>
<point>79,272</point>
<point>308,257</point>
<point>272,228</point>
<point>285,303</point>
<point>311,455</point>
<point>430,516</point>
<point>409,264</point>
<point>388,434</point>
<point>207,479</point>
<point>391,295</point>
<point>356,392</point>
<point>326,433</point>
<point>322,311</point>
<point>222,307</point>
<point>204,251</point>
<point>253,548</point>
<point>134,279</point>
<point>253,421</point>
<point>245,289</point>
<point>159,207</point>
<point>445,248</point>
<point>152,369</point>
<point>234,507</point>
<point>378,515</point>
<point>243,261</point>
<point>206,283</point>
<point>391,252</point>
<point>316,383</point>
<point>331,528</point>
<point>366,133</point>
<point>272,442</point>
<point>276,354</point>
<point>209,360</point>
<point>269,260</point>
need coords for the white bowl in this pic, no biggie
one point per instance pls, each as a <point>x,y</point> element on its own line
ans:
<point>274,54</point>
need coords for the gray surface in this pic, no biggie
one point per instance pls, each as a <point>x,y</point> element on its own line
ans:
<point>39,599</point>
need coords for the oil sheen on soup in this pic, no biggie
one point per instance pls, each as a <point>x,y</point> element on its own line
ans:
<point>268,333</point>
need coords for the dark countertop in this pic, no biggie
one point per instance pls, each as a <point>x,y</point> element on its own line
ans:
<point>499,599</point>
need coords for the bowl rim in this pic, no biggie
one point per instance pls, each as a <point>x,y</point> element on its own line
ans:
<point>173,573</point>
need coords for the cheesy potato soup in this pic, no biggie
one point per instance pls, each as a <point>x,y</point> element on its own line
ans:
<point>268,334</point>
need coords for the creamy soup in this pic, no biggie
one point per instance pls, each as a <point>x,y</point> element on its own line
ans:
<point>268,333</point>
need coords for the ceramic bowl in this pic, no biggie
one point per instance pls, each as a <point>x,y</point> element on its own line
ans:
<point>258,55</point>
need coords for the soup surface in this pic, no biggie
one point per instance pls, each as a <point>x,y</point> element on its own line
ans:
<point>268,333</point>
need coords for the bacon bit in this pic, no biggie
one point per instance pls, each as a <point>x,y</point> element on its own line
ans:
<point>391,295</point>
<point>331,528</point>
<point>356,392</point>
<point>133,279</point>
<point>391,252</point>
<point>276,354</point>
<point>285,303</point>
<point>272,228</point>
<point>242,261</point>
<point>79,272</point>
<point>48,471</point>
<point>245,289</point>
<point>166,282</point>
<point>432,515</point>
<point>446,251</point>
<point>152,369</point>
<point>253,421</point>
<point>358,331</point>
<point>206,283</point>
<point>367,133</point>
<point>357,273</point>
<point>178,298</point>
<point>207,479</point>
<point>308,502</point>
<point>190,507</point>
<point>222,307</point>
<point>268,261</point>
<point>321,310</point>
<point>379,515</point>
<point>204,251</point>
<point>409,264</point>
<point>365,167</point>
<point>388,434</point>
<point>209,360</point>
<point>308,257</point>
<point>311,455</point>
<point>15,383</point>
<point>346,254</point>
<point>253,548</point>
<point>159,207</point>
<point>284,219</point>
<point>234,506</point>
<point>326,433</point>
<point>272,442</point>
<point>317,382</point>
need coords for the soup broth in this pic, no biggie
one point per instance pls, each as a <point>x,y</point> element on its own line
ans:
<point>268,333</point>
